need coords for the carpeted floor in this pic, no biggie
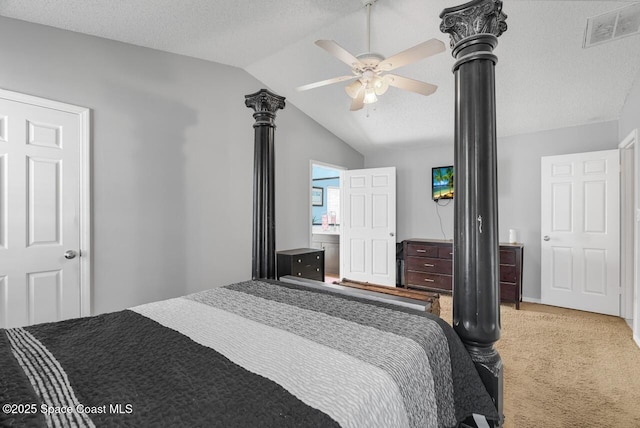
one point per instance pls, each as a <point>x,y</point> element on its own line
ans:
<point>566,368</point>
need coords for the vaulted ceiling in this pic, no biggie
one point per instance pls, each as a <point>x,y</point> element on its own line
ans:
<point>545,79</point>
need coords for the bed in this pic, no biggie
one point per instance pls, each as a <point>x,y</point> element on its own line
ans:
<point>274,354</point>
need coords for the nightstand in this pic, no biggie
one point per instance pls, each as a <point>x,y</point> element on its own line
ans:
<point>301,262</point>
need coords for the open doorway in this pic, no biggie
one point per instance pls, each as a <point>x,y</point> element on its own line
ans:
<point>325,215</point>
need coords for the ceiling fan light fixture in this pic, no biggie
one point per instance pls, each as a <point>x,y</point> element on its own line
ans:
<point>380,86</point>
<point>370,95</point>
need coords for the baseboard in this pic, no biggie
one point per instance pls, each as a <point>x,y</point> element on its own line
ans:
<point>637,339</point>
<point>627,321</point>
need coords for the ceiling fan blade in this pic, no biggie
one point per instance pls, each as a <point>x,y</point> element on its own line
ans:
<point>410,84</point>
<point>358,101</point>
<point>416,53</point>
<point>339,52</point>
<point>325,82</point>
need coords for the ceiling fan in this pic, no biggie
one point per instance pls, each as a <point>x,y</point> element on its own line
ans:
<point>369,69</point>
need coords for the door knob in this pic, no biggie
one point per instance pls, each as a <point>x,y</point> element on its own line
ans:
<point>546,237</point>
<point>392,234</point>
<point>70,254</point>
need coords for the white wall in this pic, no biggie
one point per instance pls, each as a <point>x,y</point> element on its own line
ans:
<point>172,159</point>
<point>518,186</point>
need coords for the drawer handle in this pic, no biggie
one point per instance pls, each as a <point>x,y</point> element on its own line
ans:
<point>317,269</point>
<point>421,251</point>
<point>451,254</point>
<point>428,265</point>
<point>318,257</point>
<point>299,274</point>
<point>299,261</point>
<point>429,280</point>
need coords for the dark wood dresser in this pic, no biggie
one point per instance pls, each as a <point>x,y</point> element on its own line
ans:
<point>301,262</point>
<point>428,265</point>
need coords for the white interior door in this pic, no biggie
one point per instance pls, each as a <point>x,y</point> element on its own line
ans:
<point>630,230</point>
<point>367,242</point>
<point>41,210</point>
<point>581,231</point>
<point>629,218</point>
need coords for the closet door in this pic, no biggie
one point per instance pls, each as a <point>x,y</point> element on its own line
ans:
<point>581,231</point>
<point>40,211</point>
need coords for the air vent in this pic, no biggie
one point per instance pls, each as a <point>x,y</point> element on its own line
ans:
<point>613,25</point>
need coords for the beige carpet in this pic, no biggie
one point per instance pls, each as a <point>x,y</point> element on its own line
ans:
<point>565,368</point>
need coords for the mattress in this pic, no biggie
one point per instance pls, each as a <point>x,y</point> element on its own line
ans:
<point>252,354</point>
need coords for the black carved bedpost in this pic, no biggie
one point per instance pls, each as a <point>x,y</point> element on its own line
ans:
<point>474,28</point>
<point>263,260</point>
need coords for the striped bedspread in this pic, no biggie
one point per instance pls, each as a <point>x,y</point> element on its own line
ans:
<point>252,354</point>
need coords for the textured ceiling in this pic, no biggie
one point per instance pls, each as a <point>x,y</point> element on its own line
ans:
<point>544,78</point>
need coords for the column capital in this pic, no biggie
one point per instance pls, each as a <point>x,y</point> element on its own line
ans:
<point>265,104</point>
<point>473,18</point>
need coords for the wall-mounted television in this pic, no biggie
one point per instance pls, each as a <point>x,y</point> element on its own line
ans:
<point>442,182</point>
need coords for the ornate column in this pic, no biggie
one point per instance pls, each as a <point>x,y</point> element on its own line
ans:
<point>474,28</point>
<point>263,260</point>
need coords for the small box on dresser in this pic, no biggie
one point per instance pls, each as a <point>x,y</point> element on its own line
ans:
<point>428,265</point>
<point>301,262</point>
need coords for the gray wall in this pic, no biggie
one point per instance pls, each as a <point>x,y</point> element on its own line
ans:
<point>630,115</point>
<point>518,186</point>
<point>172,159</point>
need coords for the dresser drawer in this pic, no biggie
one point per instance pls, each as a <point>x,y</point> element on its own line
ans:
<point>508,273</point>
<point>509,292</point>
<point>311,259</point>
<point>445,252</point>
<point>421,250</point>
<point>507,257</point>
<point>309,273</point>
<point>428,264</point>
<point>429,281</point>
